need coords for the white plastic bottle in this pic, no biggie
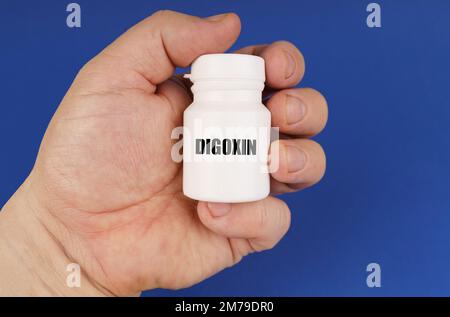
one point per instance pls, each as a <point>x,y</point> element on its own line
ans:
<point>226,133</point>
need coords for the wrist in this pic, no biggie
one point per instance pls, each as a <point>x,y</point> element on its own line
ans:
<point>33,261</point>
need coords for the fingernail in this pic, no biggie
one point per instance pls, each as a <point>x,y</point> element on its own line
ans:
<point>219,209</point>
<point>296,159</point>
<point>216,18</point>
<point>295,109</point>
<point>290,65</point>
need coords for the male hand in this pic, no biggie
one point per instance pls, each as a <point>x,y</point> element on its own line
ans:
<point>104,192</point>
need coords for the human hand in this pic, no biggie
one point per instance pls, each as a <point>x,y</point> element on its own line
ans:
<point>105,193</point>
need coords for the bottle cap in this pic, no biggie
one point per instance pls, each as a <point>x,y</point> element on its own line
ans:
<point>227,66</point>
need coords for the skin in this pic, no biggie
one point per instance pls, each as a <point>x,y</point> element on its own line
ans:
<point>105,193</point>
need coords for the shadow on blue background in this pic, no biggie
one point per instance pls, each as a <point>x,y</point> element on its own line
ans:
<point>386,195</point>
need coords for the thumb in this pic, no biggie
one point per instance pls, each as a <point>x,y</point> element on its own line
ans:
<point>154,47</point>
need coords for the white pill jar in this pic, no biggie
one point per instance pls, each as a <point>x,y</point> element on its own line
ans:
<point>226,130</point>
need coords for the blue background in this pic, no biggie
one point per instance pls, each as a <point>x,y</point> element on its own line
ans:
<point>386,195</point>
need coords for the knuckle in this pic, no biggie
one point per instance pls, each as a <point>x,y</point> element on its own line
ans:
<point>162,14</point>
<point>275,220</point>
<point>263,216</point>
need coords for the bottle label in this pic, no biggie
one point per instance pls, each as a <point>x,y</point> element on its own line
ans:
<point>225,146</point>
<point>216,140</point>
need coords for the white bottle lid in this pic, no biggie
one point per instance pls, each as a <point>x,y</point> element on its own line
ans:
<point>227,66</point>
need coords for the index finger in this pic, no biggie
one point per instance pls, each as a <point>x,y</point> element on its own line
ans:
<point>285,65</point>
